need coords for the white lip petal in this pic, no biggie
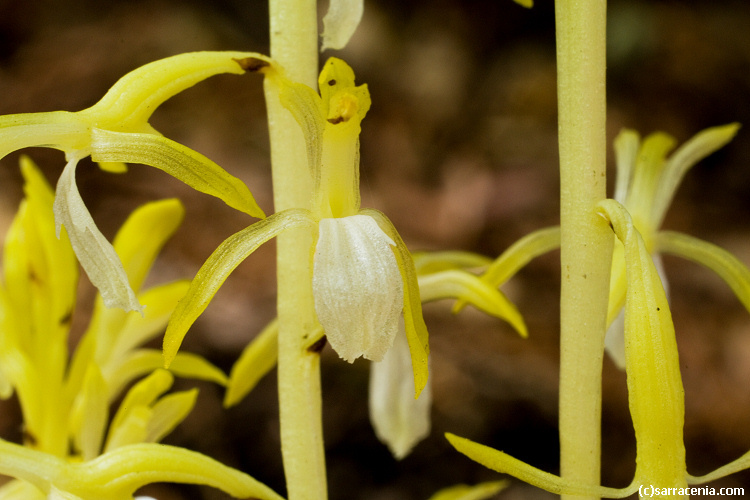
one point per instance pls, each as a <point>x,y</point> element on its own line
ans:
<point>400,421</point>
<point>340,23</point>
<point>357,287</point>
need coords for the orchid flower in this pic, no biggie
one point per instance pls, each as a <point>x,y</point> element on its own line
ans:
<point>646,183</point>
<point>654,382</point>
<point>69,450</point>
<point>116,130</point>
<point>400,420</point>
<point>363,276</point>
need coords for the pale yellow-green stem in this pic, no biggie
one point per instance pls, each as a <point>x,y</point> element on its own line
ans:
<point>586,241</point>
<point>294,45</point>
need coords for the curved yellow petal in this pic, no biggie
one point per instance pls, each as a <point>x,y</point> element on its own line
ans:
<point>168,412</point>
<point>119,473</point>
<point>140,239</point>
<point>89,414</point>
<point>480,491</point>
<point>469,288</point>
<point>432,262</point>
<point>504,463</point>
<point>525,3</point>
<point>626,145</point>
<point>142,361</point>
<point>724,264</point>
<point>95,253</point>
<point>518,255</point>
<point>177,160</point>
<point>256,360</point>
<point>416,330</point>
<point>129,103</point>
<point>694,150</point>
<point>340,22</point>
<point>217,268</point>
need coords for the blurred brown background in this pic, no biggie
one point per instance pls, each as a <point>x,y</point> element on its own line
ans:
<point>459,150</point>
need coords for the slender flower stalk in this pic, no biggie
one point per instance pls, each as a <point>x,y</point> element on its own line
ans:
<point>586,241</point>
<point>294,45</point>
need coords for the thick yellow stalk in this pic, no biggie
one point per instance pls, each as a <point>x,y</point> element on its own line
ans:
<point>586,240</point>
<point>294,45</point>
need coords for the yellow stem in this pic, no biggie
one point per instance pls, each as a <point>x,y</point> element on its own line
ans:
<point>586,240</point>
<point>294,45</point>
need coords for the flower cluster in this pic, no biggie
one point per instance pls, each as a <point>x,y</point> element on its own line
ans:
<point>71,450</point>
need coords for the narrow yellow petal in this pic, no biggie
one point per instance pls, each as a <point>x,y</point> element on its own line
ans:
<point>132,429</point>
<point>517,256</point>
<point>256,360</point>
<point>525,3</point>
<point>168,413</point>
<point>626,145</point>
<point>698,147</point>
<point>129,103</point>
<point>432,262</point>
<point>340,22</point>
<point>503,463</point>
<point>416,330</point>
<point>113,167</point>
<point>481,491</point>
<point>111,475</point>
<point>143,235</point>
<point>20,490</point>
<point>177,160</point>
<point>471,289</point>
<point>305,106</point>
<point>217,268</point>
<point>724,264</point>
<point>89,414</point>
<point>95,253</point>
<point>143,361</point>
<point>144,393</point>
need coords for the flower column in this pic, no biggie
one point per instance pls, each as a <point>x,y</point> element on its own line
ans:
<point>294,45</point>
<point>586,241</point>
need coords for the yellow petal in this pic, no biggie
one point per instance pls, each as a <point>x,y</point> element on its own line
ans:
<point>177,160</point>
<point>340,22</point>
<point>217,268</point>
<point>142,361</point>
<point>95,253</point>
<point>113,167</point>
<point>144,393</point>
<point>473,290</point>
<point>142,236</point>
<point>517,256</point>
<point>20,490</point>
<point>132,429</point>
<point>626,145</point>
<point>432,262</point>
<point>480,491</point>
<point>727,266</point>
<point>698,147</point>
<point>357,287</point>
<point>168,412</point>
<point>525,3</point>
<point>89,414</point>
<point>503,463</point>
<point>655,392</point>
<point>416,330</point>
<point>112,475</point>
<point>129,103</point>
<point>159,301</point>
<point>257,359</point>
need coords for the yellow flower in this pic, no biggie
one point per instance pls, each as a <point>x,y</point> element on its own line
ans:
<point>363,274</point>
<point>646,183</point>
<point>69,450</point>
<point>400,420</point>
<point>116,130</point>
<point>655,390</point>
